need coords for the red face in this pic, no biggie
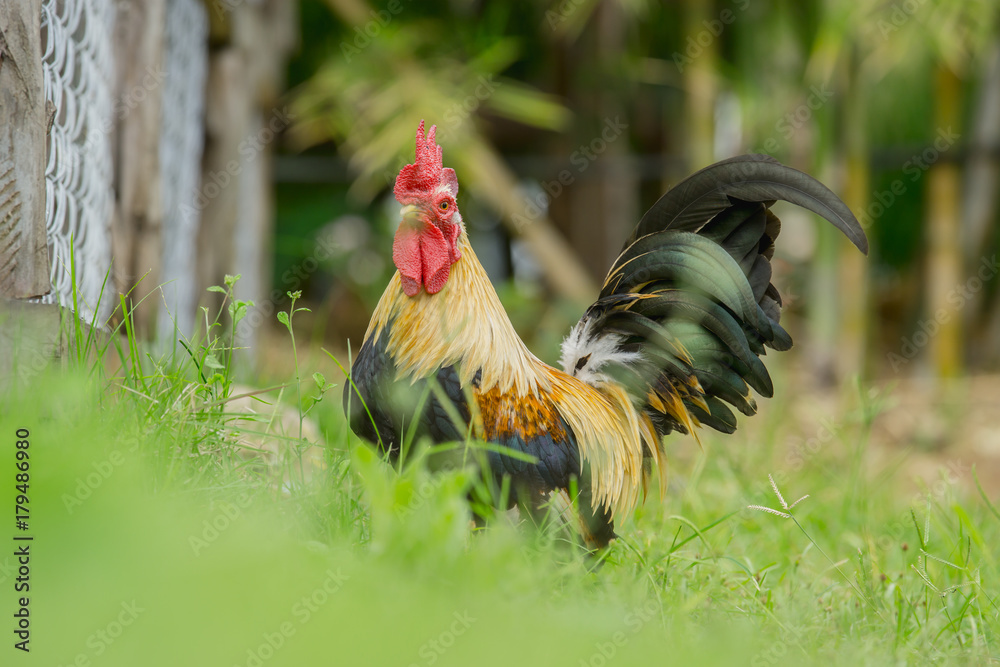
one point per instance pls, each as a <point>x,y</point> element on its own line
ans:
<point>425,246</point>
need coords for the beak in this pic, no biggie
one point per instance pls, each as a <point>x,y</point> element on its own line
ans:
<point>412,216</point>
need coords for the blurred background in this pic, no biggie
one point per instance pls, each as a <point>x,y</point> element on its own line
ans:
<point>262,138</point>
<point>566,120</point>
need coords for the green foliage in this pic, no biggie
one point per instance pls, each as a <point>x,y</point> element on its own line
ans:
<point>370,95</point>
<point>159,515</point>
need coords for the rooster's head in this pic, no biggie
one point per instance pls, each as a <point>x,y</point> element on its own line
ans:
<point>426,241</point>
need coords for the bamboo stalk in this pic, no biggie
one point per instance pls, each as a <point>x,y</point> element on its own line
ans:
<point>700,85</point>
<point>944,252</point>
<point>854,290</point>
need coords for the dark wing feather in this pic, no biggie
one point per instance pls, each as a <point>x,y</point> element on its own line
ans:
<point>439,407</point>
<point>366,396</point>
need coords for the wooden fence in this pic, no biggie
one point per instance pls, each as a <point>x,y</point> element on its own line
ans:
<point>135,152</point>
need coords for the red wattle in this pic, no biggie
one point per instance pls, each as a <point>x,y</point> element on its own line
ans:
<point>423,257</point>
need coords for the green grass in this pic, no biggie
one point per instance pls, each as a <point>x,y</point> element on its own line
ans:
<point>145,510</point>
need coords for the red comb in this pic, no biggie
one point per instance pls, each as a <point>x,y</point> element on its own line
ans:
<point>427,173</point>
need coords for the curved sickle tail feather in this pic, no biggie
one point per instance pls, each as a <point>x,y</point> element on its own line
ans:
<point>688,308</point>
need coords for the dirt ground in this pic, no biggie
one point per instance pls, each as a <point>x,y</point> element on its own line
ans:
<point>955,425</point>
<point>922,430</point>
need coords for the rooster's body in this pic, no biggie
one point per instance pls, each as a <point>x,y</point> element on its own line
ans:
<point>675,334</point>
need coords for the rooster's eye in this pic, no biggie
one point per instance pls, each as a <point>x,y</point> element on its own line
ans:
<point>443,206</point>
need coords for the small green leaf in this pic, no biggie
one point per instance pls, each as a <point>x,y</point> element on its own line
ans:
<point>211,361</point>
<point>319,380</point>
<point>238,310</point>
<point>283,317</point>
<point>231,280</point>
<point>216,288</point>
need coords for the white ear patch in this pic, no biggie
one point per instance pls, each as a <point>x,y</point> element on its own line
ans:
<point>585,353</point>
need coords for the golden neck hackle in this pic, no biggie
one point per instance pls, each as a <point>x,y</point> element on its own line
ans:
<point>464,324</point>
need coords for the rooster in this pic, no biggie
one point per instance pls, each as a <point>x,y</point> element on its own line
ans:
<point>672,341</point>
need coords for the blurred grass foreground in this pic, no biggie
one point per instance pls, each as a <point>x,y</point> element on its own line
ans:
<point>171,528</point>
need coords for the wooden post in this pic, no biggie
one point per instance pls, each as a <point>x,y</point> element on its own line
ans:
<point>980,201</point>
<point>228,109</point>
<point>137,241</point>
<point>24,257</point>
<point>604,204</point>
<point>31,340</point>
<point>244,116</point>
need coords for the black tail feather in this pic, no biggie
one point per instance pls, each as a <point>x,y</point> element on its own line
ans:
<point>691,290</point>
<point>690,204</point>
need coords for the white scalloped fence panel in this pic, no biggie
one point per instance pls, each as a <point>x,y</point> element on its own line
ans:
<point>78,70</point>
